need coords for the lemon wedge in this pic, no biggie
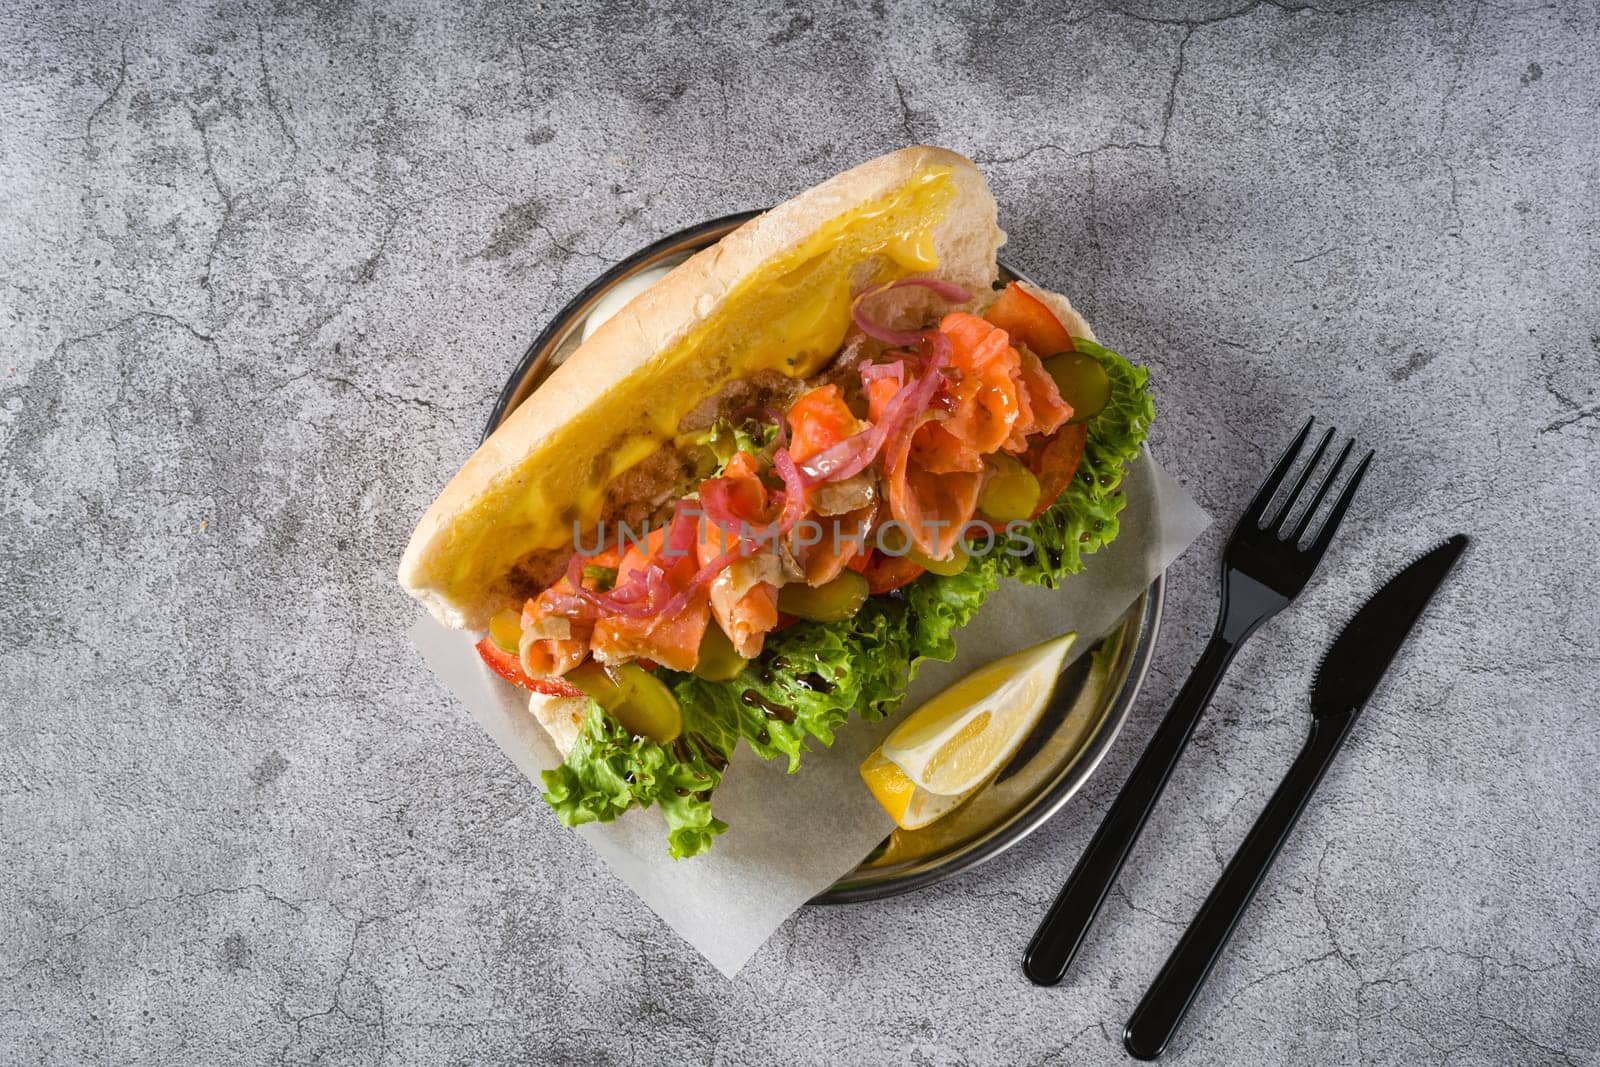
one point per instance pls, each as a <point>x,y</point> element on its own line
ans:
<point>909,806</point>
<point>958,740</point>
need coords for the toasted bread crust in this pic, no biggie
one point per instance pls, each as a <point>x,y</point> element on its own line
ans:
<point>1063,310</point>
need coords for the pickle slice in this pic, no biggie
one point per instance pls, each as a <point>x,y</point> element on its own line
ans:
<point>1010,492</point>
<point>637,699</point>
<point>506,630</point>
<point>954,563</point>
<point>1083,383</point>
<point>718,661</point>
<point>832,601</point>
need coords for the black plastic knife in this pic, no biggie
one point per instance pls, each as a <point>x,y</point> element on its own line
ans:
<point>1349,674</point>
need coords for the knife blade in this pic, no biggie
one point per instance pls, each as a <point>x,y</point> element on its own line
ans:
<point>1360,656</point>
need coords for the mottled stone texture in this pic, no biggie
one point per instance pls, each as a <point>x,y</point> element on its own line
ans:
<point>264,268</point>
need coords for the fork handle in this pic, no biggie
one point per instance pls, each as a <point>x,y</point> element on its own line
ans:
<point>1062,933</point>
<point>1166,1002</point>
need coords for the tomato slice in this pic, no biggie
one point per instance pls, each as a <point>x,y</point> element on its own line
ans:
<point>1054,461</point>
<point>509,667</point>
<point>885,573</point>
<point>1029,321</point>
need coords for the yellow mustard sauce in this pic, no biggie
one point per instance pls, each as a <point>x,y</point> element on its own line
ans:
<point>790,316</point>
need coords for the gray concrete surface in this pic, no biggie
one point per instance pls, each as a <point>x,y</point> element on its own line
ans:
<point>264,268</point>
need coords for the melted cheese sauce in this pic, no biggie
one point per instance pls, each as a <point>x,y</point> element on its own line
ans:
<point>790,316</point>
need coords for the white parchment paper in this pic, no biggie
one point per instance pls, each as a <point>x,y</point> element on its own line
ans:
<point>778,853</point>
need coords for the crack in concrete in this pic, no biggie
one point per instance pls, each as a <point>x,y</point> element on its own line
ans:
<point>1313,256</point>
<point>908,116</point>
<point>1487,966</point>
<point>1251,8</point>
<point>1571,418</point>
<point>1322,911</point>
<point>116,90</point>
<point>183,895</point>
<point>1122,893</point>
<point>1278,972</point>
<point>1455,201</point>
<point>156,316</point>
<point>1171,104</point>
<point>1168,107</point>
<point>222,192</point>
<point>1529,1039</point>
<point>1086,153</point>
<point>1058,1054</point>
<point>267,90</point>
<point>335,1003</point>
<point>373,395</point>
<point>369,266</point>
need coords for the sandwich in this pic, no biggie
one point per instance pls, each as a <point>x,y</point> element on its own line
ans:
<point>774,482</point>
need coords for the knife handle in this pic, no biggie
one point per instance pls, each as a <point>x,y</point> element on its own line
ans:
<point>1166,1002</point>
<point>1059,937</point>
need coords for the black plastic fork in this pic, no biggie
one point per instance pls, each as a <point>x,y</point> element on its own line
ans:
<point>1263,569</point>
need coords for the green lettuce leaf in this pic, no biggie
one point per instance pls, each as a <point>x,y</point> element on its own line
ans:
<point>812,677</point>
<point>608,772</point>
<point>942,604</point>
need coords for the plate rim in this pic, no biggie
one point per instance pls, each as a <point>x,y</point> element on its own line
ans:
<point>1047,804</point>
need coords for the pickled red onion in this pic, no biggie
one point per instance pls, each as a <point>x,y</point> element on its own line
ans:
<point>855,453</point>
<point>575,567</point>
<point>717,504</point>
<point>871,372</point>
<point>794,491</point>
<point>640,594</point>
<point>949,290</point>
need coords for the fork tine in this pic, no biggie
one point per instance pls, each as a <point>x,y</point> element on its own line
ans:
<point>1280,520</point>
<point>1336,514</point>
<point>1252,514</point>
<point>1322,491</point>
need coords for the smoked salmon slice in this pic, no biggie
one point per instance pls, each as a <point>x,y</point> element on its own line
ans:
<point>554,655</point>
<point>842,538</point>
<point>932,506</point>
<point>819,420</point>
<point>743,597</point>
<point>672,641</point>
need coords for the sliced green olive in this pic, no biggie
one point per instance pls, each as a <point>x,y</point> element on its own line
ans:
<point>637,699</point>
<point>1082,381</point>
<point>594,681</point>
<point>506,630</point>
<point>1010,492</point>
<point>832,601</point>
<point>955,563</point>
<point>718,660</point>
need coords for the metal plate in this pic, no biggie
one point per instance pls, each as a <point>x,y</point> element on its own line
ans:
<point>1090,702</point>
